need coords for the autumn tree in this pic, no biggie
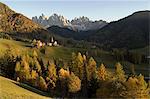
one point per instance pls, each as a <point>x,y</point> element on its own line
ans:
<point>51,75</point>
<point>34,76</point>
<point>136,87</point>
<point>74,83</point>
<point>77,65</point>
<point>101,72</point>
<point>143,91</point>
<point>42,84</point>
<point>52,71</point>
<point>8,62</point>
<point>18,66</point>
<point>37,65</point>
<point>119,72</point>
<point>80,64</point>
<point>24,73</point>
<point>62,82</point>
<point>91,68</point>
<point>17,70</point>
<point>34,42</point>
<point>35,53</point>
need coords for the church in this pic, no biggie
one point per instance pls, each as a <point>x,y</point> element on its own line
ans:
<point>52,42</point>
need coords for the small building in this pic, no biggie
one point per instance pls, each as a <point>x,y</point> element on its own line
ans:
<point>49,44</point>
<point>53,42</point>
<point>40,44</point>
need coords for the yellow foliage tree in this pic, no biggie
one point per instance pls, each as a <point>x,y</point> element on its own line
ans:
<point>91,68</point>
<point>101,72</point>
<point>119,72</point>
<point>74,83</point>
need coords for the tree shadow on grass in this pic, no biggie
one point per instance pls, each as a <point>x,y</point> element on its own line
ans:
<point>25,86</point>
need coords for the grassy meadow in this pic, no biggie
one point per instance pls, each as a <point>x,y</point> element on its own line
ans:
<point>65,54</point>
<point>10,89</point>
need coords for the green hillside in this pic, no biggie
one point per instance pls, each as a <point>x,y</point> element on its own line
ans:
<point>23,47</point>
<point>65,54</point>
<point>10,89</point>
<point>144,51</point>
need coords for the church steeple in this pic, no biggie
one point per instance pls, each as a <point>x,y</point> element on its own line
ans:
<point>52,39</point>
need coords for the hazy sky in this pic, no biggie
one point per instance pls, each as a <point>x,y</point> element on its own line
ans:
<point>108,10</point>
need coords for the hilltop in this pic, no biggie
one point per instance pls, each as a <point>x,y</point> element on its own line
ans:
<point>18,25</point>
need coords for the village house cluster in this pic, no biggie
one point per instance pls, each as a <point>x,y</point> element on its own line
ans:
<point>38,43</point>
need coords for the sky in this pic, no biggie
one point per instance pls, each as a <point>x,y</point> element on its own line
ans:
<point>108,10</point>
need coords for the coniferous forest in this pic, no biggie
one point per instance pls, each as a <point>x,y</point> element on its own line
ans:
<point>79,78</point>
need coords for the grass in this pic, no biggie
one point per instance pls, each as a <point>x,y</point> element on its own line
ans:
<point>15,45</point>
<point>65,54</point>
<point>22,47</point>
<point>10,89</point>
<point>144,51</point>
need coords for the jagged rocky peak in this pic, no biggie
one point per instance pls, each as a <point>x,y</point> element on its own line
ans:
<point>82,23</point>
<point>82,19</point>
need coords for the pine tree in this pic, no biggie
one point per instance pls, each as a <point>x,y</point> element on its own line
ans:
<point>24,73</point>
<point>101,72</point>
<point>119,72</point>
<point>42,84</point>
<point>91,69</point>
<point>77,65</point>
<point>80,64</point>
<point>143,91</point>
<point>37,65</point>
<point>74,66</point>
<point>136,87</point>
<point>17,68</point>
<point>52,72</point>
<point>62,85</point>
<point>34,42</point>
<point>74,83</point>
<point>63,73</point>
<point>34,74</point>
<point>35,53</point>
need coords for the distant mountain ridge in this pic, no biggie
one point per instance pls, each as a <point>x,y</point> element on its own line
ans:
<point>129,32</point>
<point>77,24</point>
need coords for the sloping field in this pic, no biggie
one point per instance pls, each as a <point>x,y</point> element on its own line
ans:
<point>10,89</point>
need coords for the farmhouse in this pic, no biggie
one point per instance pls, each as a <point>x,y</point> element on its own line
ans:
<point>38,43</point>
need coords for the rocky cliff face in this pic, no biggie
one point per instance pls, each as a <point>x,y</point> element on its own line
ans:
<point>79,24</point>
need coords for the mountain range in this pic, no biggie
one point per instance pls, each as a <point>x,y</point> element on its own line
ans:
<point>77,24</point>
<point>129,32</point>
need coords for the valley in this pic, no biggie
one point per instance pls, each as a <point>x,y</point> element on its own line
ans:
<point>64,54</point>
<point>53,57</point>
